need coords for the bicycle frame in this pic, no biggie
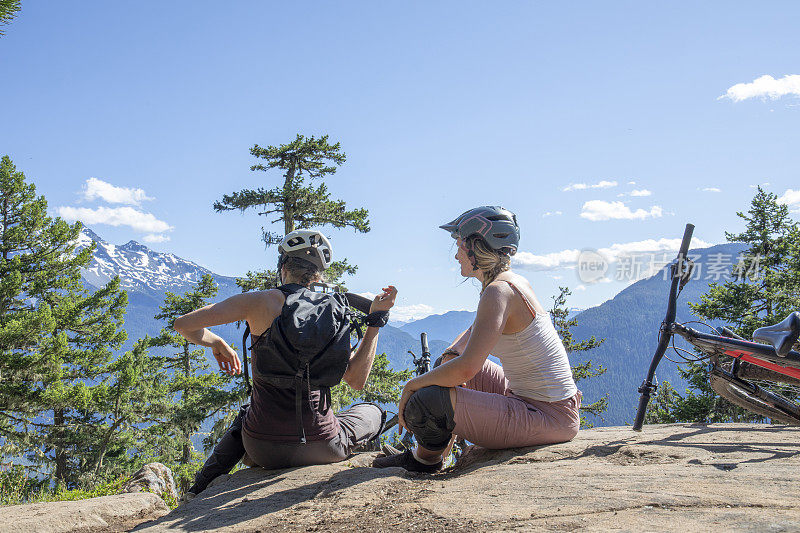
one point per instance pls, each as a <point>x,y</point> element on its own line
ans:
<point>714,345</point>
<point>755,353</point>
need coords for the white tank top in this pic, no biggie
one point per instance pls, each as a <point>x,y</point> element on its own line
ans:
<point>535,361</point>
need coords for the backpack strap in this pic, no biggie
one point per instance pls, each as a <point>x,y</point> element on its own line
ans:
<point>247,384</point>
<point>298,399</point>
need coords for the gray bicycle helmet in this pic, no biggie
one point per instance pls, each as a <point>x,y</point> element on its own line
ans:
<point>497,225</point>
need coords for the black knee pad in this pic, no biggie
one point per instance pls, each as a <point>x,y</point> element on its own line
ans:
<point>429,416</point>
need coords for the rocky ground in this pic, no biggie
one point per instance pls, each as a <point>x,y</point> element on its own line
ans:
<point>668,478</point>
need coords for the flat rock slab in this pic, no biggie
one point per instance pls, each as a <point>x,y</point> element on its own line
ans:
<point>676,477</point>
<point>119,512</point>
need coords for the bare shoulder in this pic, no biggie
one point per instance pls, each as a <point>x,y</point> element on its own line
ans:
<point>526,289</point>
<point>271,299</point>
<point>498,291</point>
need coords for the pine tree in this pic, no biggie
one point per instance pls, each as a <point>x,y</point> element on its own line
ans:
<point>765,287</point>
<point>56,338</point>
<point>194,394</point>
<point>564,324</point>
<point>133,399</point>
<point>297,202</point>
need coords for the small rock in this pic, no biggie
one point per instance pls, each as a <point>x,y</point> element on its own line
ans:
<point>155,478</point>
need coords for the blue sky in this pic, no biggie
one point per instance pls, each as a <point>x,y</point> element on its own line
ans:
<point>439,106</point>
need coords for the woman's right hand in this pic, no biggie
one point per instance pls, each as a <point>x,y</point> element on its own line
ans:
<point>385,300</point>
<point>227,358</point>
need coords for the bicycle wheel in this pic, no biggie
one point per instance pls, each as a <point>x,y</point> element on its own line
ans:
<point>737,395</point>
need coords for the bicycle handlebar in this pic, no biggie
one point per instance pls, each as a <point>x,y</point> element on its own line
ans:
<point>423,338</point>
<point>359,302</point>
<point>687,238</point>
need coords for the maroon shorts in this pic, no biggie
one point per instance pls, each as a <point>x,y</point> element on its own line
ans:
<point>488,414</point>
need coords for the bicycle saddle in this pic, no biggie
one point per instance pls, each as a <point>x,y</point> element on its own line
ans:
<point>782,335</point>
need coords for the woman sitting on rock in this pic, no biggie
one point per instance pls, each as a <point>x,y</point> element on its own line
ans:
<point>282,428</point>
<point>532,399</point>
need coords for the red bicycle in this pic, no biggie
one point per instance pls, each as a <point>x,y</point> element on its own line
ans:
<point>753,375</point>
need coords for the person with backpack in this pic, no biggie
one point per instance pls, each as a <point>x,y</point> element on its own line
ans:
<point>301,347</point>
<point>530,400</point>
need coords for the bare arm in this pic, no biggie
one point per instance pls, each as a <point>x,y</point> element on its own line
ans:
<point>460,344</point>
<point>360,364</point>
<point>489,324</point>
<point>193,326</point>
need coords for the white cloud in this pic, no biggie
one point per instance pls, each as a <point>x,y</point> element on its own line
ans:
<point>597,210</point>
<point>711,189</point>
<point>566,259</point>
<point>641,192</point>
<point>155,237</point>
<point>790,198</point>
<point>583,186</point>
<point>117,216</point>
<point>764,87</point>
<point>95,188</point>
<point>552,213</point>
<point>580,288</point>
<point>631,183</point>
<point>551,261</point>
<point>407,313</point>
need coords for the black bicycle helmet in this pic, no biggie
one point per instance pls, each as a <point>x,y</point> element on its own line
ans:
<point>497,225</point>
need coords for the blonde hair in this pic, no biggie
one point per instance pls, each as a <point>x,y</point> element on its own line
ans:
<point>491,262</point>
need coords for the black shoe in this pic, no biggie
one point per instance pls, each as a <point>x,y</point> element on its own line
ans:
<point>406,460</point>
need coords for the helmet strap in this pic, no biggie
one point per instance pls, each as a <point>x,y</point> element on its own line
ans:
<point>281,261</point>
<point>471,255</point>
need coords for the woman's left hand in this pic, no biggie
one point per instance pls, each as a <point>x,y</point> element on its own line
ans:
<point>410,388</point>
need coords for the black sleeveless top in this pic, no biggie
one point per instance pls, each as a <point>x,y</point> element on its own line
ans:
<point>271,416</point>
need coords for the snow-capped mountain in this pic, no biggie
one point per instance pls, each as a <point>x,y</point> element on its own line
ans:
<point>142,269</point>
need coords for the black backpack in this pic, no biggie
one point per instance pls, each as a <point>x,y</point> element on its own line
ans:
<point>307,346</point>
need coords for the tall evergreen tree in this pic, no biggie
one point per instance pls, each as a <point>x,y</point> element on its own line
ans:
<point>194,394</point>
<point>587,369</point>
<point>765,287</point>
<point>56,338</point>
<point>297,202</point>
<point>133,398</point>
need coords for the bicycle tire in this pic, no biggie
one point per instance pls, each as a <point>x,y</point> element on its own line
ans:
<point>738,396</point>
<point>751,371</point>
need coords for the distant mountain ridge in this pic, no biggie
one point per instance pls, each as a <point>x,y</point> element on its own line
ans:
<point>142,269</point>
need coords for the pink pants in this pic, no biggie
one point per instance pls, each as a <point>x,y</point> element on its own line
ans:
<point>488,414</point>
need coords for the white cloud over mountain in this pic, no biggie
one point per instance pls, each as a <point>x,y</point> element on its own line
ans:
<point>583,186</point>
<point>155,237</point>
<point>95,189</point>
<point>764,87</point>
<point>115,216</point>
<point>566,259</point>
<point>597,210</point>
